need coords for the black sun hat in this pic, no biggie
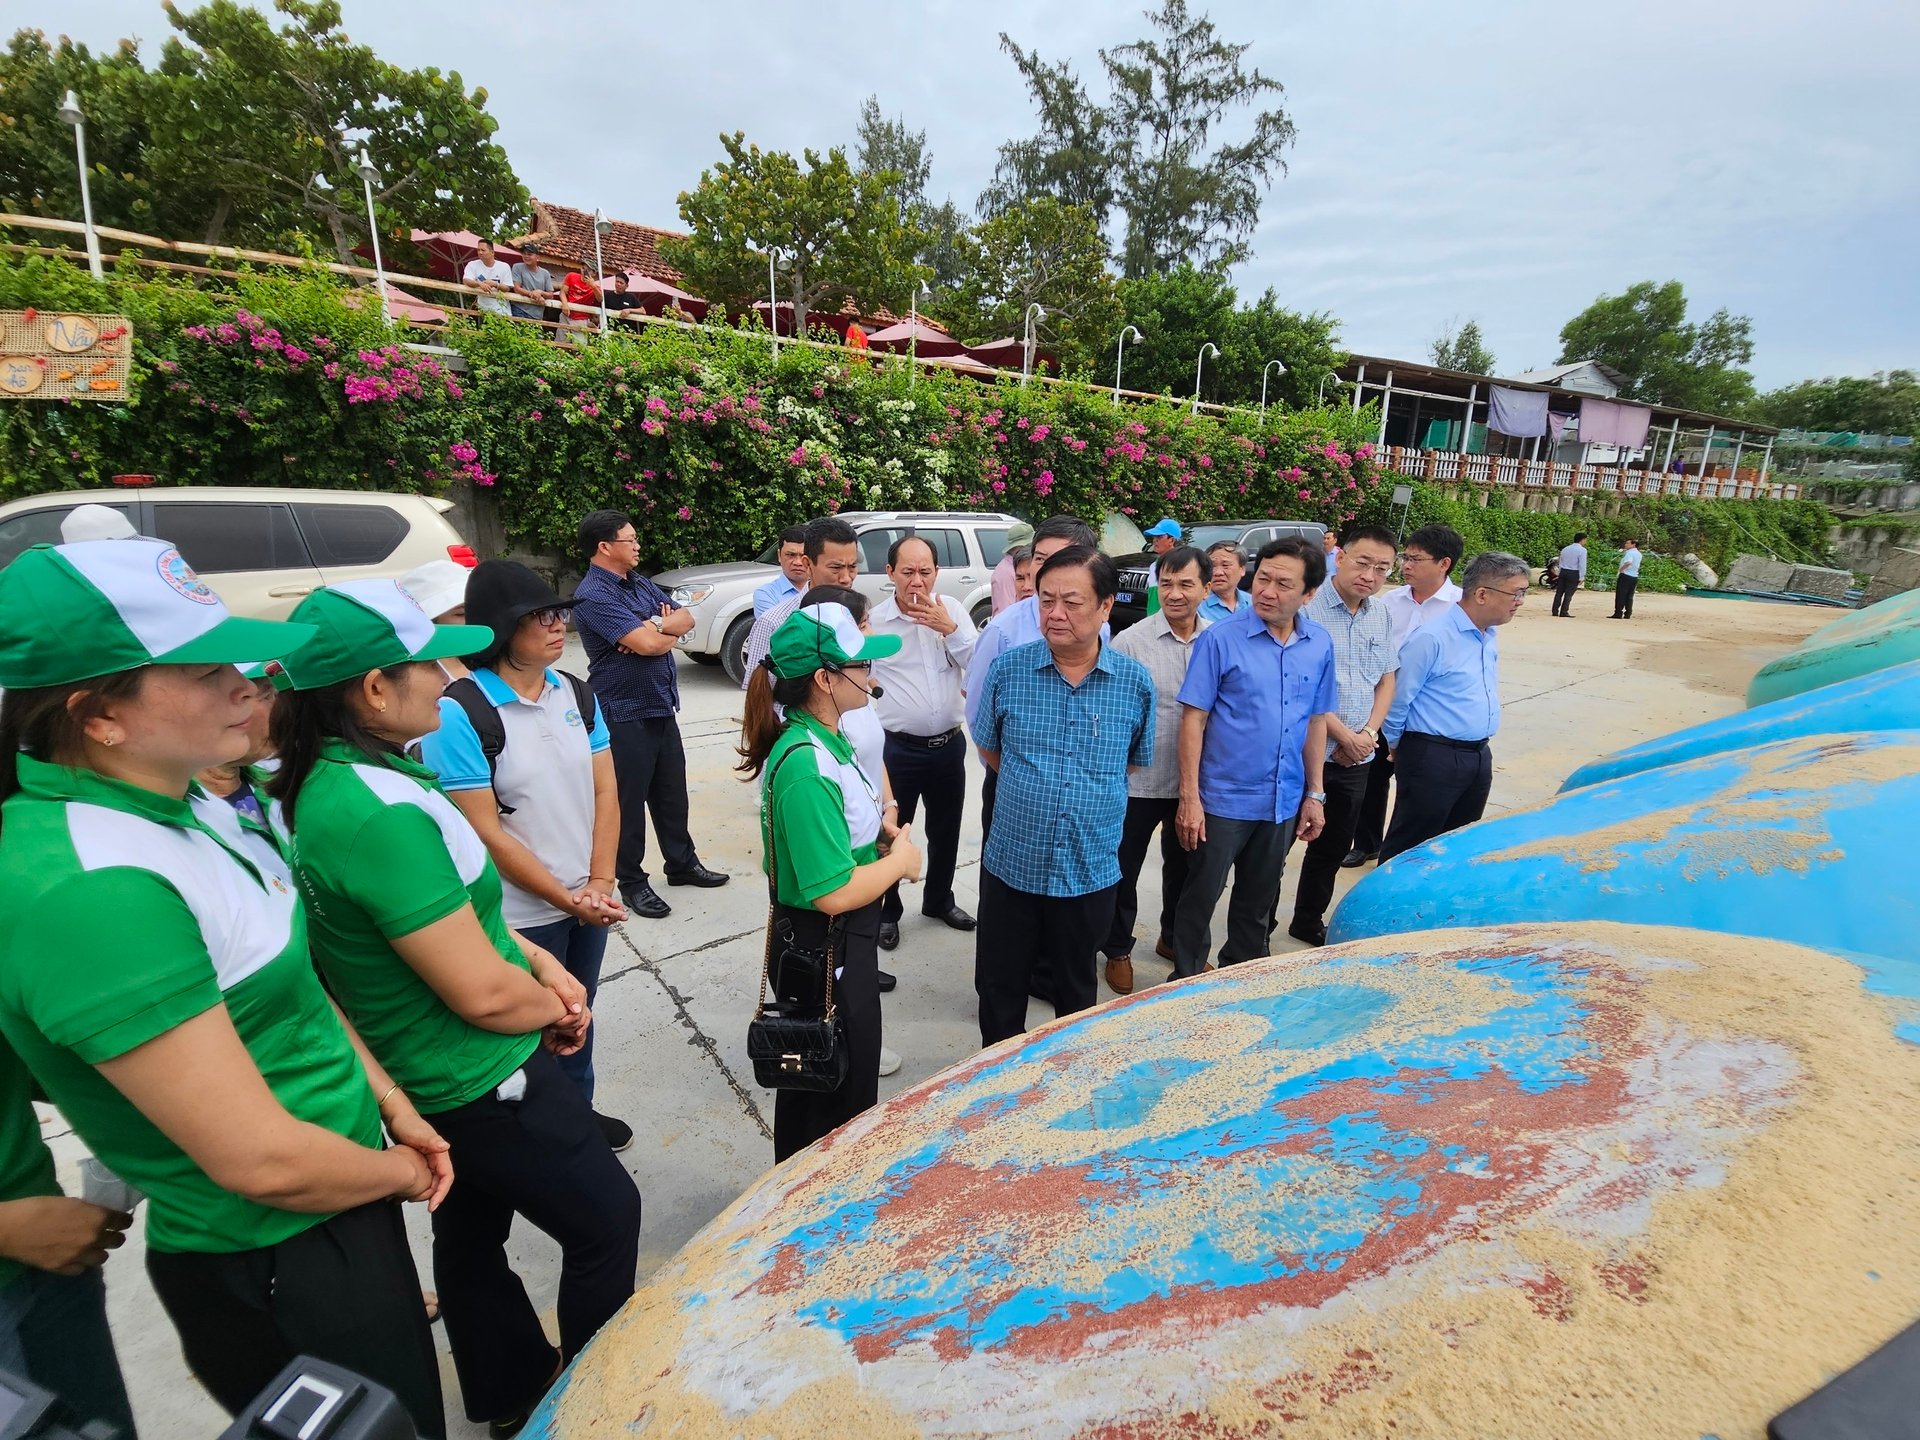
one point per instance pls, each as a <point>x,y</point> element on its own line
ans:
<point>502,593</point>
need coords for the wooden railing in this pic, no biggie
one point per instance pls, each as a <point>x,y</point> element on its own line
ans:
<point>1515,473</point>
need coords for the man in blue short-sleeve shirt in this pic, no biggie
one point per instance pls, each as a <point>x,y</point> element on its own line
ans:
<point>628,625</point>
<point>1253,745</point>
<point>1060,720</point>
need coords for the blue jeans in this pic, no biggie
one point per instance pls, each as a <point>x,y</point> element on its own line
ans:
<point>580,947</point>
<point>53,1332</point>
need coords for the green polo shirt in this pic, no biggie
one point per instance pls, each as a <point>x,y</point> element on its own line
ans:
<point>124,914</point>
<point>812,810</point>
<point>380,852</point>
<point>26,1165</point>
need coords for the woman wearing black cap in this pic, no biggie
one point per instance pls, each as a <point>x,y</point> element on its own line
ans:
<point>523,751</point>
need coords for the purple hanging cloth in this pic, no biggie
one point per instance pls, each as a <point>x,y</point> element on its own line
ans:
<point>1557,424</point>
<point>1613,422</point>
<point>1517,412</point>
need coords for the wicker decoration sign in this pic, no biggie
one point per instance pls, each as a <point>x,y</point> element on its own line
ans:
<point>60,355</point>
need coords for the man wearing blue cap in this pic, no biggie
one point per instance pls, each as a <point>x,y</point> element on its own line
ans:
<point>1162,536</point>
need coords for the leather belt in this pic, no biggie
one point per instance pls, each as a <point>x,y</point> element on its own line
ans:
<point>1443,740</point>
<point>924,742</point>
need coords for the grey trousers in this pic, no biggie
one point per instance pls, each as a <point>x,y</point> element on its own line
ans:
<point>1256,852</point>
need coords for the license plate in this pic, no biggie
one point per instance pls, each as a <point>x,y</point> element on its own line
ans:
<point>1122,595</point>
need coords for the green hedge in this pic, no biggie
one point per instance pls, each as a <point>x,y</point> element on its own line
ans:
<point>709,443</point>
<point>1666,525</point>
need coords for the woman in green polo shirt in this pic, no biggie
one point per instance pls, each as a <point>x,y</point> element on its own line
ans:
<point>155,978</point>
<point>405,906</point>
<point>832,855</point>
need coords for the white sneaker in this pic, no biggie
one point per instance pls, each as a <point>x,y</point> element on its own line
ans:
<point>889,1061</point>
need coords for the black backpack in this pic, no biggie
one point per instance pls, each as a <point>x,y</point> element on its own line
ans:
<point>492,730</point>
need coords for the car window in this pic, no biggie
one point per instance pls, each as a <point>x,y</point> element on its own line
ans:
<point>993,544</point>
<point>1120,536</point>
<point>38,527</point>
<point>219,537</point>
<point>350,534</point>
<point>949,547</point>
<point>874,545</point>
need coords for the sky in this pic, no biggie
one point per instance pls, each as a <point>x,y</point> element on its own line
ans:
<point>1503,162</point>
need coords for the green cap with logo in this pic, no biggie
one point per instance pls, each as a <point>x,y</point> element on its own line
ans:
<point>362,625</point>
<point>103,607</point>
<point>824,637</point>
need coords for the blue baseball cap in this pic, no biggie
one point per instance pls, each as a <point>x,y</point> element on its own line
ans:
<point>1166,525</point>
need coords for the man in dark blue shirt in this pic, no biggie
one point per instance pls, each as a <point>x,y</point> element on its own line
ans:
<point>629,625</point>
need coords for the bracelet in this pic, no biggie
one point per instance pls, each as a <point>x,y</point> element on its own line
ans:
<point>891,805</point>
<point>381,1103</point>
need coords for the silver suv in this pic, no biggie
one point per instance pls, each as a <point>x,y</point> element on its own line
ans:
<point>966,546</point>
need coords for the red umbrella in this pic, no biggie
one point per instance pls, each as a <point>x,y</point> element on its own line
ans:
<point>1009,354</point>
<point>656,297</point>
<point>911,336</point>
<point>449,250</point>
<point>400,305</point>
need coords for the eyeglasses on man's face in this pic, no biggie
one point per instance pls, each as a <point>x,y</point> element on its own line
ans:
<point>1513,595</point>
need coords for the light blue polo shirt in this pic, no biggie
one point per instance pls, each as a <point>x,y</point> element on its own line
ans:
<point>545,773</point>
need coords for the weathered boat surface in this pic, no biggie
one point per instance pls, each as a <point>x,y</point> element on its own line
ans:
<point>1893,639</point>
<point>1574,1179</point>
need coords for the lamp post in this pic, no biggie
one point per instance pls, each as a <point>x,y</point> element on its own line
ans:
<point>601,225</point>
<point>1035,312</point>
<point>1321,398</point>
<point>1119,351</point>
<point>1198,366</point>
<point>913,331</point>
<point>367,176</point>
<point>773,303</point>
<point>71,113</point>
<point>1263,385</point>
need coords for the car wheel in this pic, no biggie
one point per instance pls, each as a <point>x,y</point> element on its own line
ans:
<point>733,650</point>
<point>982,613</point>
<point>699,659</point>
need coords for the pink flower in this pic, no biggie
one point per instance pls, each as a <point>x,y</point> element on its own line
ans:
<point>1306,494</point>
<point>1040,432</point>
<point>999,487</point>
<point>684,512</point>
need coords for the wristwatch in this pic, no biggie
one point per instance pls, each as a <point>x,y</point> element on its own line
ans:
<point>1317,795</point>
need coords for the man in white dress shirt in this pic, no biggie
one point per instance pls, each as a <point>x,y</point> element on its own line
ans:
<point>1573,574</point>
<point>917,695</point>
<point>1427,563</point>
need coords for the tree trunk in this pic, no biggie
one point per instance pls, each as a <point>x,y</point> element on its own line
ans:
<point>217,225</point>
<point>800,311</point>
<point>336,223</point>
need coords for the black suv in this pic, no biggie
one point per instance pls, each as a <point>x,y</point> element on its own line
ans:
<point>1131,603</point>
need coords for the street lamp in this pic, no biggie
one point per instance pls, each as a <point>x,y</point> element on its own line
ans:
<point>1119,351</point>
<point>913,331</point>
<point>601,225</point>
<point>1263,385</point>
<point>71,113</point>
<point>367,176</point>
<point>1321,399</point>
<point>1198,365</point>
<point>773,299</point>
<point>1035,312</point>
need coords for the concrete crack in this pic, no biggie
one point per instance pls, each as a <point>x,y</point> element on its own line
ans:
<point>749,1105</point>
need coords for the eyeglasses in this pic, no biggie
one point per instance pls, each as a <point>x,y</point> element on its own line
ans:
<point>547,618</point>
<point>1414,557</point>
<point>1519,594</point>
<point>1378,567</point>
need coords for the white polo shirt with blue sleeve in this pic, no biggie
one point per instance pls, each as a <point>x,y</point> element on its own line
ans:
<point>544,772</point>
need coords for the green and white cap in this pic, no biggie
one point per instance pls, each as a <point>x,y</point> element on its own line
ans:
<point>821,637</point>
<point>103,607</point>
<point>362,625</point>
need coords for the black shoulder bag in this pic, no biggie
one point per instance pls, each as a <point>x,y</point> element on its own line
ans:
<point>794,1041</point>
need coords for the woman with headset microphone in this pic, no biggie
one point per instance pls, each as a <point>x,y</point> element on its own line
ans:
<point>831,852</point>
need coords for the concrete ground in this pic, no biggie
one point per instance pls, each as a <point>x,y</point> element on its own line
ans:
<point>676,994</point>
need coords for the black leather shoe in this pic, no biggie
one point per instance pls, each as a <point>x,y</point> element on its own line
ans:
<point>619,1134</point>
<point>889,935</point>
<point>1314,935</point>
<point>887,981</point>
<point>642,901</point>
<point>699,875</point>
<point>1356,858</point>
<point>954,916</point>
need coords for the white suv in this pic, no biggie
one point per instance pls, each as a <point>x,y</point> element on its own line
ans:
<point>966,546</point>
<point>261,548</point>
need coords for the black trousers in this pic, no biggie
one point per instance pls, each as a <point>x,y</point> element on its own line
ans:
<point>542,1156</point>
<point>939,774</point>
<point>801,1117</point>
<point>1623,588</point>
<point>1018,932</point>
<point>1372,826</point>
<point>1564,589</point>
<point>1346,795</point>
<point>1254,852</point>
<point>1441,789</point>
<point>1136,836</point>
<point>650,766</point>
<point>988,788</point>
<point>344,1291</point>
<point>53,1332</point>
